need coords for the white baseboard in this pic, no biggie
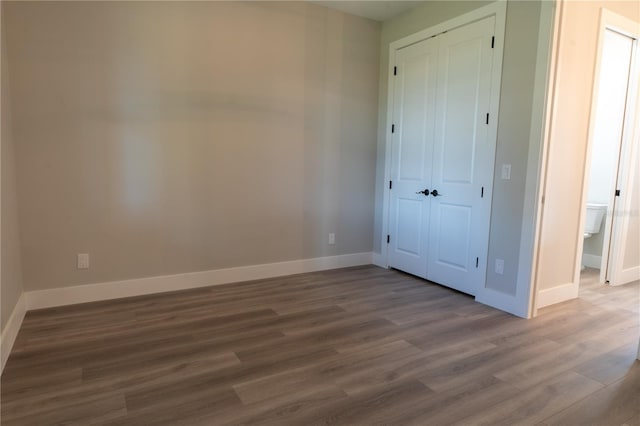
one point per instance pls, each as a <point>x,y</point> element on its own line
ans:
<point>626,276</point>
<point>510,303</point>
<point>11,330</point>
<point>61,296</point>
<point>378,260</point>
<point>551,296</point>
<point>591,260</point>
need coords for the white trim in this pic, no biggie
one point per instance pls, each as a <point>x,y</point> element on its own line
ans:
<point>543,81</point>
<point>551,296</point>
<point>625,276</point>
<point>499,9</point>
<point>624,208</point>
<point>61,296</point>
<point>591,260</point>
<point>550,107</point>
<point>502,301</point>
<point>614,227</point>
<point>11,330</point>
<point>379,260</point>
<point>384,245</point>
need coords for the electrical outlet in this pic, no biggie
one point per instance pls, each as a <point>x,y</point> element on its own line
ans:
<point>506,171</point>
<point>83,260</point>
<point>499,266</point>
<point>332,239</point>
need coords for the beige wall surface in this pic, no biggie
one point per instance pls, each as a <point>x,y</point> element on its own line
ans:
<point>632,244</point>
<point>516,100</point>
<point>11,268</point>
<point>568,138</point>
<point>170,137</point>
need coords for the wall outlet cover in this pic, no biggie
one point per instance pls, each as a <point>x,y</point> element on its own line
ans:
<point>83,260</point>
<point>506,171</point>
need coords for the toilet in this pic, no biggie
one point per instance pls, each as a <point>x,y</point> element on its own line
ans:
<point>593,221</point>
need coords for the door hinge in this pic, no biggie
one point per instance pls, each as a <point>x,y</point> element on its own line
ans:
<point>395,70</point>
<point>393,128</point>
<point>493,41</point>
<point>482,192</point>
<point>477,260</point>
<point>617,192</point>
<point>487,122</point>
<point>388,238</point>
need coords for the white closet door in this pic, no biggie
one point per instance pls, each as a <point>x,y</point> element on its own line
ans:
<point>462,166</point>
<point>413,115</point>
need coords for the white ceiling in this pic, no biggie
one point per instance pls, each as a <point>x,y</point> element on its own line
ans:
<point>376,10</point>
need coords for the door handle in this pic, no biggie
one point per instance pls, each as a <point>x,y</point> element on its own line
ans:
<point>435,193</point>
<point>425,192</point>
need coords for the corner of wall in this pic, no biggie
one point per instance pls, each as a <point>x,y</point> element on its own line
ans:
<point>13,306</point>
<point>11,329</point>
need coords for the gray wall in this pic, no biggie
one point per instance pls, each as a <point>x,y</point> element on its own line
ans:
<point>594,244</point>
<point>11,268</point>
<point>169,137</point>
<point>520,50</point>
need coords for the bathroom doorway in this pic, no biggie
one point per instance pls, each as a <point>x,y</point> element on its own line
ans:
<point>610,217</point>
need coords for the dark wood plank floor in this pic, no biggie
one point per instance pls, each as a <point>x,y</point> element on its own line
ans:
<point>352,346</point>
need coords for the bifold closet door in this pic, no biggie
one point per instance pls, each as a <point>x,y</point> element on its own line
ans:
<point>439,216</point>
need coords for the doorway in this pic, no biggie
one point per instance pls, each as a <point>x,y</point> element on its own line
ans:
<point>439,217</point>
<point>444,89</point>
<point>610,215</point>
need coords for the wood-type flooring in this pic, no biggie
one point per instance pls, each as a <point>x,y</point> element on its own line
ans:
<point>354,346</point>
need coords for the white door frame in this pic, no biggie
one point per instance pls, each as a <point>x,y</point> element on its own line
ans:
<point>544,102</point>
<point>628,145</point>
<point>497,9</point>
<point>523,303</point>
<point>609,21</point>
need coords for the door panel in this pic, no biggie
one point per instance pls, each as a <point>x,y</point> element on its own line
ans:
<point>414,77</point>
<point>459,103</point>
<point>459,228</point>
<point>409,226</point>
<point>413,115</point>
<point>454,222</point>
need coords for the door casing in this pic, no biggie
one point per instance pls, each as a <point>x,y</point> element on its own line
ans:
<point>625,167</point>
<point>497,9</point>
